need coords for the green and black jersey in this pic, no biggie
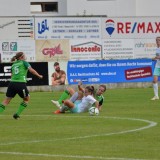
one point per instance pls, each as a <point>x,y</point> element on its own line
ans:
<point>100,98</point>
<point>19,71</point>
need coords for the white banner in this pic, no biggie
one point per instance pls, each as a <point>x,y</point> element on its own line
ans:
<point>16,28</point>
<point>85,49</point>
<point>132,27</point>
<point>52,50</point>
<point>8,49</point>
<point>67,28</point>
<point>118,49</point>
<point>145,48</point>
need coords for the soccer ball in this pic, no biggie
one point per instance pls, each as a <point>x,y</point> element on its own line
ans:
<point>93,111</point>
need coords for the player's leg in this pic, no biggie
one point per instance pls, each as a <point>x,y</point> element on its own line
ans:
<point>24,94</point>
<point>68,92</point>
<point>155,84</point>
<point>67,104</point>
<point>5,102</point>
<point>76,96</point>
<point>9,95</point>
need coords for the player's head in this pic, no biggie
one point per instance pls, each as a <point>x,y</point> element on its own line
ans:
<point>158,41</point>
<point>56,67</point>
<point>89,90</point>
<point>18,56</point>
<point>101,89</point>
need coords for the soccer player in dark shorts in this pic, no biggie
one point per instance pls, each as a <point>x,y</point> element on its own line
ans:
<point>17,85</point>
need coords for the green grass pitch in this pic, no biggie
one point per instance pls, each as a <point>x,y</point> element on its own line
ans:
<point>126,129</point>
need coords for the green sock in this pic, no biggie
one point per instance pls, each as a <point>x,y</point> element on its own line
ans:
<point>22,106</point>
<point>2,108</point>
<point>64,96</point>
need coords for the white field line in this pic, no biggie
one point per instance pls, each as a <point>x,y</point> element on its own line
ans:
<point>68,156</point>
<point>149,125</point>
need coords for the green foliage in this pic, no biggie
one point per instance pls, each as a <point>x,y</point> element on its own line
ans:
<point>41,135</point>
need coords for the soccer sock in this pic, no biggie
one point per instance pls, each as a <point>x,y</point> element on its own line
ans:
<point>155,88</point>
<point>2,108</point>
<point>22,106</point>
<point>74,97</point>
<point>64,96</point>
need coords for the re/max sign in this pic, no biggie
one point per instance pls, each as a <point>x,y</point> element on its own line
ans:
<point>138,27</point>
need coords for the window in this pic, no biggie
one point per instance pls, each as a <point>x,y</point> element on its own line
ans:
<point>44,7</point>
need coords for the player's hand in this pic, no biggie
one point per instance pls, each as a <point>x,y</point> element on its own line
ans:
<point>96,111</point>
<point>79,83</point>
<point>40,77</point>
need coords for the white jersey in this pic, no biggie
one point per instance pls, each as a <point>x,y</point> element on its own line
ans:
<point>158,61</point>
<point>86,103</point>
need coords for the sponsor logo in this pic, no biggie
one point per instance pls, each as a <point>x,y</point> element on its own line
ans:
<point>42,27</point>
<point>130,27</point>
<point>6,71</point>
<point>137,73</point>
<point>110,26</point>
<point>94,80</point>
<point>87,47</point>
<point>9,46</point>
<point>52,51</point>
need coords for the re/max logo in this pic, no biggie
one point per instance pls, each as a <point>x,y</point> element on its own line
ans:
<point>138,27</point>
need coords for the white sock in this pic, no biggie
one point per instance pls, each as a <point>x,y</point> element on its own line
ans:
<point>155,88</point>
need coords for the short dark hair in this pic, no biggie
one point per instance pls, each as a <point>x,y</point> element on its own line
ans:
<point>56,64</point>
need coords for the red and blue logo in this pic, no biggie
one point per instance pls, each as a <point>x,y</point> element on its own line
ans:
<point>110,26</point>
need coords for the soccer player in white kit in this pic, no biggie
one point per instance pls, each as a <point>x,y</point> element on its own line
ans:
<point>87,101</point>
<point>156,72</point>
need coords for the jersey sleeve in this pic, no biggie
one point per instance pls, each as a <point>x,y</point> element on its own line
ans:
<point>101,102</point>
<point>91,99</point>
<point>26,64</point>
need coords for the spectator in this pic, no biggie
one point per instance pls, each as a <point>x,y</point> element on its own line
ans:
<point>59,76</point>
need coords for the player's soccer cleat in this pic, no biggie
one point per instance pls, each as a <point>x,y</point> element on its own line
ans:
<point>155,98</point>
<point>56,103</point>
<point>58,112</point>
<point>16,116</point>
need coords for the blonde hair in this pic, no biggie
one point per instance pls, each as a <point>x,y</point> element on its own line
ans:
<point>17,56</point>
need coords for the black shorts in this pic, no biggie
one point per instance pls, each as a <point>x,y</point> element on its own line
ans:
<point>19,88</point>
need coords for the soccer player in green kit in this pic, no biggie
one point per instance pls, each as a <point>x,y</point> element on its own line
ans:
<point>17,84</point>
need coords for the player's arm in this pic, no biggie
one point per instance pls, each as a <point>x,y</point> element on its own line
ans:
<point>100,104</point>
<point>97,104</point>
<point>80,88</point>
<point>97,109</point>
<point>34,72</point>
<point>157,57</point>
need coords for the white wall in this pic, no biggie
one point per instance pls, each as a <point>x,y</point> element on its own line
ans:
<point>62,8</point>
<point>147,7</point>
<point>110,8</point>
<point>14,7</point>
